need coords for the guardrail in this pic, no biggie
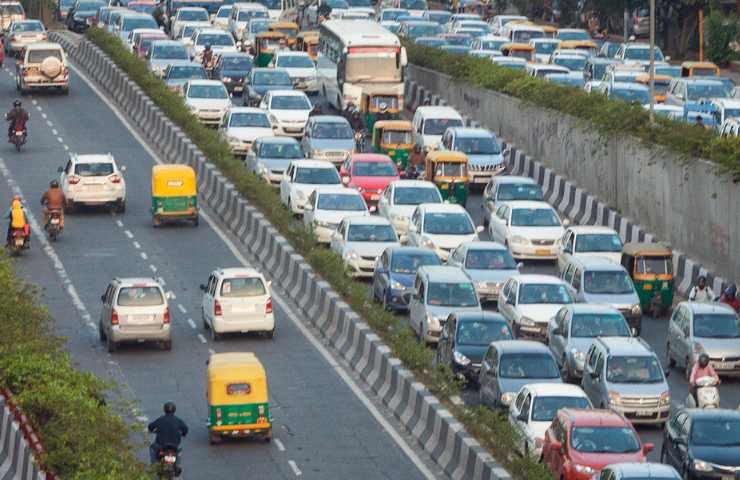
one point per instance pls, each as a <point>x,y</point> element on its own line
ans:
<point>19,444</point>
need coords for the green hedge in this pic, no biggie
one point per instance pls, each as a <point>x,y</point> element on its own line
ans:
<point>609,117</point>
<point>493,430</point>
<point>83,438</point>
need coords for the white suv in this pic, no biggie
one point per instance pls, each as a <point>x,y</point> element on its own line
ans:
<point>93,179</point>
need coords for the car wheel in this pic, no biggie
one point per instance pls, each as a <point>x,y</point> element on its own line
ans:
<point>203,319</point>
<point>101,332</point>
<point>156,221</point>
<point>663,455</point>
<point>669,360</point>
<point>386,303</point>
<point>111,345</point>
<point>121,207</point>
<point>215,336</point>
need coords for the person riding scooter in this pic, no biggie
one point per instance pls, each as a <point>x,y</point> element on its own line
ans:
<point>702,368</point>
<point>17,118</point>
<point>53,199</point>
<point>170,430</point>
<point>208,58</point>
<point>17,216</point>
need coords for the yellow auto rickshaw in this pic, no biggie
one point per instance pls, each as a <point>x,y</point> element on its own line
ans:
<point>586,45</point>
<point>699,69</point>
<point>651,267</point>
<point>394,138</point>
<point>238,403</point>
<point>290,30</point>
<point>174,195</point>
<point>661,85</point>
<point>308,42</point>
<point>448,170</point>
<point>519,50</point>
<point>550,31</point>
<point>379,106</point>
<point>265,45</point>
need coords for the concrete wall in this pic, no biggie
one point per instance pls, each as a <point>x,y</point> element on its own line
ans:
<point>682,201</point>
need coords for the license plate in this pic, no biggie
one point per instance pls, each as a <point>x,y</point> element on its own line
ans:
<point>238,89</point>
<point>19,242</point>
<point>644,413</point>
<point>542,251</point>
<point>18,134</point>
<point>724,365</point>
<point>170,459</point>
<point>141,319</point>
<point>243,309</point>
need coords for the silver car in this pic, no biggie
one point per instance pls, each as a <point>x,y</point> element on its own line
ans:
<point>269,157</point>
<point>328,137</point>
<point>163,53</point>
<point>488,264</point>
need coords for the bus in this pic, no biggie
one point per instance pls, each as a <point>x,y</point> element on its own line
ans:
<point>358,57</point>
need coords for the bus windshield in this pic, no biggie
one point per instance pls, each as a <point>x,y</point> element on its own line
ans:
<point>374,64</point>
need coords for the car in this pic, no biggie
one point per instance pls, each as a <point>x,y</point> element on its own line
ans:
<point>42,66</point>
<point>300,68</point>
<point>724,109</point>
<point>596,68</point>
<point>618,72</point>
<point>193,16</point>
<point>11,11</point>
<point>571,332</point>
<point>219,40</point>
<point>539,70</point>
<point>579,443</point>
<point>455,49</point>
<point>508,365</point>
<point>499,21</point>
<point>513,63</point>
<point>360,241</point>
<point>241,126</point>
<point>702,443</point>
<point>730,128</point>
<point>624,374</point>
<point>269,157</point>
<point>338,8</point>
<point>82,15</point>
<point>529,229</point>
<point>221,19</point>
<point>233,70</point>
<point>489,54</point>
<point>364,7</point>
<point>164,52</point>
<point>401,197</point>
<point>441,227</point>
<point>208,100</point>
<point>485,158</point>
<point>711,328</point>
<point>465,339</point>
<point>262,80</point>
<point>627,92</point>
<point>242,14</point>
<point>104,14</point>
<point>569,34</point>
<point>141,40</point>
<point>129,21</point>
<point>636,52</point>
<point>179,72</point>
<point>686,91</point>
<point>462,24</point>
<point>419,28</point>
<point>533,409</point>
<point>369,173</point>
<point>437,292</point>
<point>326,208</point>
<point>93,179</point>
<point>288,111</point>
<point>328,137</point>
<point>22,33</point>
<point>134,310</point>
<point>507,188</point>
<point>637,471</point>
<point>237,300</point>
<point>489,42</point>
<point>529,301</point>
<point>390,14</point>
<point>254,26</point>
<point>543,48</point>
<point>62,9</point>
<point>588,240</point>
<point>489,264</point>
<point>303,177</point>
<point>441,17</point>
<point>574,63</point>
<point>395,273</point>
<point>393,27</point>
<point>572,79</point>
<point>110,23</point>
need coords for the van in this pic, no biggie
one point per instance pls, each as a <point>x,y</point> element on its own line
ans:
<point>42,65</point>
<point>431,122</point>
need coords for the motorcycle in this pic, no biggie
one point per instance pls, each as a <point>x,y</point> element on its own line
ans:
<point>167,468</point>
<point>707,393</point>
<point>360,140</point>
<point>18,138</point>
<point>54,226</point>
<point>18,241</point>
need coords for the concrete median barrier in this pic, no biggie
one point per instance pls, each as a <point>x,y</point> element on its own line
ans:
<point>18,445</point>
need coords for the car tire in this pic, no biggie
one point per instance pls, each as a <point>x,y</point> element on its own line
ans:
<point>156,221</point>
<point>215,336</point>
<point>65,90</point>
<point>101,332</point>
<point>111,345</point>
<point>203,319</point>
<point>669,360</point>
<point>386,303</point>
<point>121,206</point>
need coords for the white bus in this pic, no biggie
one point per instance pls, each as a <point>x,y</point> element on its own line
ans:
<point>356,57</point>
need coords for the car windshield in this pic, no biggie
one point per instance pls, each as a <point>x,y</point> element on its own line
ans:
<point>571,63</point>
<point>478,146</point>
<point>391,15</point>
<point>272,78</point>
<point>192,15</point>
<point>639,95</point>
<point>88,6</point>
<point>715,432</point>
<point>414,4</point>
<point>188,72</point>
<point>459,40</point>
<point>534,217</point>
<point>551,293</point>
<point>654,265</point>
<point>360,3</point>
<point>424,31</point>
<point>591,325</point>
<point>317,176</point>
<point>642,54</point>
<point>416,195</point>
<point>13,9</point>
<point>604,440</point>
<point>243,119</point>
<point>138,22</point>
<point>481,334</point>
<point>295,61</point>
<point>215,40</point>
<point>524,36</point>
<point>237,62</point>
<point>708,90</point>
<point>670,70</point>
<point>439,17</point>
<point>371,233</point>
<point>143,8</point>
<point>409,263</point>
<point>140,297</point>
<point>450,169</point>
<point>489,260</point>
<point>259,26</point>
<point>187,31</point>
<point>224,12</point>
<point>243,287</point>
<point>28,27</point>
<point>101,169</point>
<point>521,191</point>
<point>340,201</point>
<point>169,52</point>
<point>607,282</point>
<point>732,113</point>
<point>281,150</point>
<point>634,369</point>
<point>545,47</point>
<point>334,131</point>
<point>598,71</point>
<point>717,325</point>
<point>38,56</point>
<point>245,16</point>
<point>598,242</point>
<point>443,294</point>
<point>270,4</point>
<point>397,137</point>
<point>492,44</point>
<point>374,169</point>
<point>578,35</point>
<point>290,102</point>
<point>448,224</point>
<point>545,408</point>
<point>208,91</point>
<point>528,365</point>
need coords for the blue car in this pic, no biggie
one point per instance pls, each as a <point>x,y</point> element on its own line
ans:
<point>262,80</point>
<point>395,272</point>
<point>233,69</point>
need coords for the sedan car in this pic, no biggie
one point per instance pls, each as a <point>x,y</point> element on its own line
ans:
<point>142,42</point>
<point>300,68</point>
<point>208,100</point>
<point>360,241</point>
<point>441,227</point>
<point>637,471</point>
<point>262,80</point>
<point>369,174</point>
<point>93,179</point>
<point>529,229</point>
<point>419,28</point>
<point>233,69</point>
<point>508,188</point>
<point>401,197</point>
<point>288,111</point>
<point>303,177</point>
<point>326,208</point>
<point>164,52</point>
<point>588,240</point>
<point>395,273</point>
<point>269,157</point>
<point>242,126</point>
<point>489,264</point>
<point>177,74</point>
<point>328,137</point>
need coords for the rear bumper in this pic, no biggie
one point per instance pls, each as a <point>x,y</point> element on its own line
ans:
<point>95,198</point>
<point>266,324</point>
<point>533,252</point>
<point>132,334</point>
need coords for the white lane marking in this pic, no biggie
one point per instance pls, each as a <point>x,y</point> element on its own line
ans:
<point>191,323</point>
<point>142,418</point>
<point>136,245</point>
<point>202,338</point>
<point>48,122</point>
<point>119,223</point>
<point>293,318</point>
<point>43,115</point>
<point>54,131</point>
<point>66,148</point>
<point>38,107</point>
<point>35,102</point>
<point>60,139</point>
<point>295,468</point>
<point>161,281</point>
<point>212,351</point>
<point>143,256</point>
<point>128,233</point>
<point>279,444</point>
<point>181,308</point>
<point>152,268</point>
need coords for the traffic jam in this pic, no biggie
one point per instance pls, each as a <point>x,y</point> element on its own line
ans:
<point>577,337</point>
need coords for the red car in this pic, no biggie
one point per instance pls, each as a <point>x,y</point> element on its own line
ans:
<point>579,443</point>
<point>369,173</point>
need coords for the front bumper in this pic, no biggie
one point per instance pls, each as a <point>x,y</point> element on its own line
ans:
<point>240,148</point>
<point>717,474</point>
<point>484,176</point>
<point>489,293</point>
<point>396,300</point>
<point>726,367</point>
<point>210,118</point>
<point>521,251</point>
<point>469,371</point>
<point>644,416</point>
<point>290,129</point>
<point>536,332</point>
<point>362,268</point>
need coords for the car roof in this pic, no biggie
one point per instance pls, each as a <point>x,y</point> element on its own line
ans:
<point>591,308</point>
<point>526,278</point>
<point>168,42</point>
<point>370,157</point>
<point>287,93</point>
<point>708,308</point>
<point>412,183</point>
<point>328,119</point>
<point>206,82</point>
<point>481,316</point>
<point>247,110</point>
<point>583,417</point>
<point>581,229</point>
<point>713,413</point>
<point>597,262</point>
<point>514,179</point>
<point>290,53</point>
<point>471,132</point>
<point>445,273</point>
<point>657,471</point>
<point>130,281</point>
<point>313,163</point>
<point>556,389</point>
<point>340,190</point>
<point>437,111</point>
<point>625,346</point>
<point>520,346</point>
<point>441,208</point>
<point>278,139</point>
<point>213,31</point>
<point>369,220</point>
<point>515,204</point>
<point>628,86</point>
<point>238,272</point>
<point>399,250</point>
<point>94,158</point>
<point>484,246</point>
<point>727,102</point>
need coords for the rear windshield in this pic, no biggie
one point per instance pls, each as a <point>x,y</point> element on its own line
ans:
<point>140,297</point>
<point>38,56</point>
<point>140,22</point>
<point>193,16</point>
<point>28,27</point>
<point>187,72</point>
<point>93,169</point>
<point>242,287</point>
<point>11,10</point>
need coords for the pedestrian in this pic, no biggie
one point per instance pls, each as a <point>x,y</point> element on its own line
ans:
<point>701,292</point>
<point>699,121</point>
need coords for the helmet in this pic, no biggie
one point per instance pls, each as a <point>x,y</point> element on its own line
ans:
<point>16,197</point>
<point>208,46</point>
<point>54,184</point>
<point>17,103</point>
<point>169,408</point>
<point>731,290</point>
<point>703,360</point>
<point>383,107</point>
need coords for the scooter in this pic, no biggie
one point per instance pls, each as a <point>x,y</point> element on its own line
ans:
<point>54,226</point>
<point>706,392</point>
<point>18,241</point>
<point>18,138</point>
<point>167,468</point>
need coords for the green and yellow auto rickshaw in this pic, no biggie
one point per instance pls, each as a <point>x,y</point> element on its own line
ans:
<point>290,30</point>
<point>308,42</point>
<point>394,138</point>
<point>651,267</point>
<point>238,403</point>
<point>379,106</point>
<point>448,170</point>
<point>265,45</point>
<point>174,194</point>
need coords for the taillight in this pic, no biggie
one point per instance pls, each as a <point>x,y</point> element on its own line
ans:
<point>217,309</point>
<point>115,179</point>
<point>114,318</point>
<point>268,305</point>
<point>44,37</point>
<point>218,414</point>
<point>66,71</point>
<point>73,180</point>
<point>166,316</point>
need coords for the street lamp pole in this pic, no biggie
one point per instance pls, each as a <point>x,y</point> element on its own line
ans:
<point>652,61</point>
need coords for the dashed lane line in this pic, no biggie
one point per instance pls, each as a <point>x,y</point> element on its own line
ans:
<point>119,223</point>
<point>60,139</point>
<point>128,233</point>
<point>294,467</point>
<point>136,245</point>
<point>144,256</point>
<point>202,338</point>
<point>279,445</point>
<point>191,323</point>
<point>181,308</point>
<point>153,268</point>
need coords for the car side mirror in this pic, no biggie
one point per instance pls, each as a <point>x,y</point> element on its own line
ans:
<point>479,229</point>
<point>168,295</point>
<point>60,169</point>
<point>203,287</point>
<point>345,180</point>
<point>566,222</point>
<point>648,447</point>
<point>122,168</point>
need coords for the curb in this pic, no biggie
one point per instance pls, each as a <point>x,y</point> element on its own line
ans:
<point>432,425</point>
<point>19,445</point>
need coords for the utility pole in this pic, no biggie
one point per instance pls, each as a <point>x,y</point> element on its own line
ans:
<point>626,24</point>
<point>701,35</point>
<point>652,61</point>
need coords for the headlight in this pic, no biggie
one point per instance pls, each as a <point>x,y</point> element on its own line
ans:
<point>351,255</point>
<point>614,398</point>
<point>274,119</point>
<point>665,398</point>
<point>396,285</point>
<point>506,398</point>
<point>227,79</point>
<point>193,108</point>
<point>636,310</point>
<point>460,359</point>
<point>433,322</point>
<point>578,356</point>
<point>234,139</point>
<point>584,469</point>
<point>315,153</point>
<point>702,466</point>
<point>519,239</point>
<point>527,322</point>
<point>300,196</point>
<point>426,242</point>
<point>698,348</point>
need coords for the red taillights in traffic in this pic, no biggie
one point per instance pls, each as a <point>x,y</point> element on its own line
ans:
<point>115,179</point>
<point>268,305</point>
<point>217,309</point>
<point>166,319</point>
<point>73,180</point>
<point>114,317</point>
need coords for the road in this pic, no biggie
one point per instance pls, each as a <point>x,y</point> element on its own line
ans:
<point>325,426</point>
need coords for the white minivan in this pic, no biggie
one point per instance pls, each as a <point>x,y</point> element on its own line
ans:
<point>431,122</point>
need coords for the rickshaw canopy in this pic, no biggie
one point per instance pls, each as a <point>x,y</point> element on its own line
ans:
<point>236,378</point>
<point>636,249</point>
<point>173,180</point>
<point>688,69</point>
<point>511,50</point>
<point>284,27</point>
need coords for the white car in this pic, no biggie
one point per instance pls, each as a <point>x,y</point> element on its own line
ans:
<point>303,177</point>
<point>528,302</point>
<point>360,241</point>
<point>242,126</point>
<point>186,34</point>
<point>93,179</point>
<point>237,300</point>
<point>529,228</point>
<point>401,197</point>
<point>442,228</point>
<point>288,111</point>
<point>219,40</point>
<point>534,407</point>
<point>195,16</point>
<point>242,13</point>
<point>300,68</point>
<point>326,208</point>
<point>135,33</point>
<point>587,240</point>
<point>207,99</point>
<point>221,19</point>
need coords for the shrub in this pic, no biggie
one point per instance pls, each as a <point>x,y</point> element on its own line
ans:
<point>722,32</point>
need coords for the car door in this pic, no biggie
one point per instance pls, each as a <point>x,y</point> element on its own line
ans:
<point>674,335</point>
<point>587,381</point>
<point>488,376</point>
<point>207,301</point>
<point>250,159</point>
<point>684,344</point>
<point>306,140</point>
<point>65,172</point>
<point>565,249</point>
<point>487,206</point>
<point>517,419</point>
<point>416,306</point>
<point>385,202</point>
<point>265,103</point>
<point>415,229</point>
<point>499,224</point>
<point>559,335</point>
<point>285,184</point>
<point>447,341</point>
<point>337,238</point>
<point>105,310</point>
<point>310,212</point>
<point>457,257</point>
<point>507,307</point>
<point>381,277</point>
<point>675,441</point>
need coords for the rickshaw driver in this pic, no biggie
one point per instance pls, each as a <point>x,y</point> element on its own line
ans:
<point>170,430</point>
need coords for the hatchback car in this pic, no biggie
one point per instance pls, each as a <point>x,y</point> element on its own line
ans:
<point>360,241</point>
<point>369,174</point>
<point>303,177</point>
<point>93,179</point>
<point>489,264</point>
<point>638,471</point>
<point>208,100</point>
<point>326,208</point>
<point>162,53</point>
<point>263,80</point>
<point>485,158</point>
<point>269,157</point>
<point>395,273</point>
<point>288,111</point>
<point>134,310</point>
<point>300,68</point>
<point>588,240</point>
<point>177,74</point>
<point>508,365</point>
<point>401,197</point>
<point>237,300</point>
<point>241,126</point>
<point>22,33</point>
<point>328,137</point>
<point>233,69</point>
<point>529,229</point>
<point>442,228</point>
<point>508,188</point>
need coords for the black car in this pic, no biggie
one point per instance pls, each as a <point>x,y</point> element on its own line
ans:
<point>703,444</point>
<point>82,15</point>
<point>262,80</point>
<point>233,69</point>
<point>465,339</point>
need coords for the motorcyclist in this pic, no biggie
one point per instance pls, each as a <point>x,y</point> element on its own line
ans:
<point>17,219</point>
<point>355,121</point>
<point>701,368</point>
<point>701,292</point>
<point>323,12</point>
<point>17,118</point>
<point>730,298</point>
<point>169,429</point>
<point>160,16</point>
<point>53,199</point>
<point>207,57</point>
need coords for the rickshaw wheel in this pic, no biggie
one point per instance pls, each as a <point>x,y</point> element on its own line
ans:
<point>268,436</point>
<point>196,221</point>
<point>214,438</point>
<point>156,221</point>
